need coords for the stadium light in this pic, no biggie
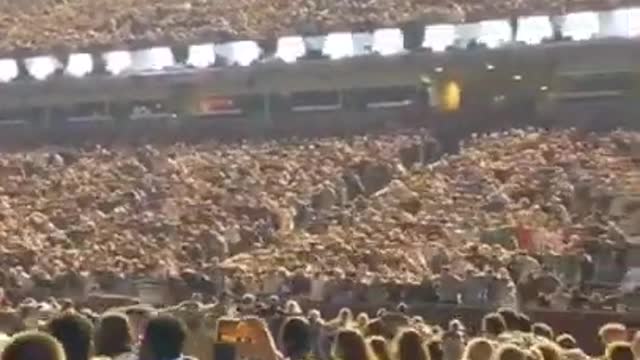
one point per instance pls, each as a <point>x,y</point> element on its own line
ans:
<point>79,64</point>
<point>388,41</point>
<point>620,23</point>
<point>439,37</point>
<point>533,30</point>
<point>494,33</point>
<point>152,59</point>
<point>242,53</point>
<point>581,25</point>
<point>362,43</point>
<point>290,48</point>
<point>8,70</point>
<point>466,33</point>
<point>201,56</point>
<point>41,67</point>
<point>338,45</point>
<point>117,61</point>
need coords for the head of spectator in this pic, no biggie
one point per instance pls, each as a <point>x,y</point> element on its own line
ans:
<point>549,351</point>
<point>402,308</point>
<point>510,352</point>
<point>478,349</point>
<point>612,332</point>
<point>138,318</point>
<point>163,338</point>
<point>295,338</point>
<point>345,316</point>
<point>113,335</point>
<point>543,330</point>
<point>33,346</point>
<point>619,350</point>
<point>314,316</point>
<point>293,308</point>
<point>75,334</point>
<point>362,320</point>
<point>379,347</point>
<point>350,345</point>
<point>434,348</point>
<point>510,317</point>
<point>408,346</point>
<point>566,341</point>
<point>493,325</point>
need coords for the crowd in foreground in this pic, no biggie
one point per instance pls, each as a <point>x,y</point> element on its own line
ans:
<point>43,25</point>
<point>338,220</point>
<point>192,330</point>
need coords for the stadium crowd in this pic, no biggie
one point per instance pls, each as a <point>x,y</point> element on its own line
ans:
<point>517,217</point>
<point>219,331</point>
<point>45,25</point>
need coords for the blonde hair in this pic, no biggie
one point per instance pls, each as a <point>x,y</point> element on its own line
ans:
<point>511,352</point>
<point>478,349</point>
<point>611,328</point>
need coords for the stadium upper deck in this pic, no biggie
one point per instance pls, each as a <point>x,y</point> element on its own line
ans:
<point>68,25</point>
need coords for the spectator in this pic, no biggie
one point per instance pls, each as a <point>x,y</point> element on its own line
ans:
<point>543,330</point>
<point>510,352</point>
<point>75,333</point>
<point>113,337</point>
<point>408,346</point>
<point>493,325</point>
<point>350,345</point>
<point>549,351</point>
<point>566,341</point>
<point>379,348</point>
<point>295,338</point>
<point>635,345</point>
<point>619,350</point>
<point>511,319</point>
<point>164,338</point>
<point>612,332</point>
<point>33,346</point>
<point>478,349</point>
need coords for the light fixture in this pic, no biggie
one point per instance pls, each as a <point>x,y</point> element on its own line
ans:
<point>438,69</point>
<point>517,77</point>
<point>544,88</point>
<point>490,67</point>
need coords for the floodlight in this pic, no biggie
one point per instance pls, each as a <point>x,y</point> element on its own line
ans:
<point>41,67</point>
<point>533,30</point>
<point>581,25</point>
<point>388,41</point>
<point>202,55</point>
<point>117,61</point>
<point>439,37</point>
<point>290,48</point>
<point>338,45</point>
<point>79,64</point>
<point>8,70</point>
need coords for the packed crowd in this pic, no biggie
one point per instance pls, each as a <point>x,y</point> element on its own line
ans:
<point>372,218</point>
<point>44,25</point>
<point>194,331</point>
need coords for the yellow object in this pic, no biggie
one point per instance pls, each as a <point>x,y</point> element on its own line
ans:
<point>451,96</point>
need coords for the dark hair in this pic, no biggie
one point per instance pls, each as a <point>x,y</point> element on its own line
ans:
<point>33,346</point>
<point>434,347</point>
<point>544,330</point>
<point>524,323</point>
<point>350,345</point>
<point>510,318</point>
<point>409,346</point>
<point>295,338</point>
<point>493,324</point>
<point>164,337</point>
<point>379,347</point>
<point>113,335</point>
<point>619,351</point>
<point>566,341</point>
<point>74,332</point>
